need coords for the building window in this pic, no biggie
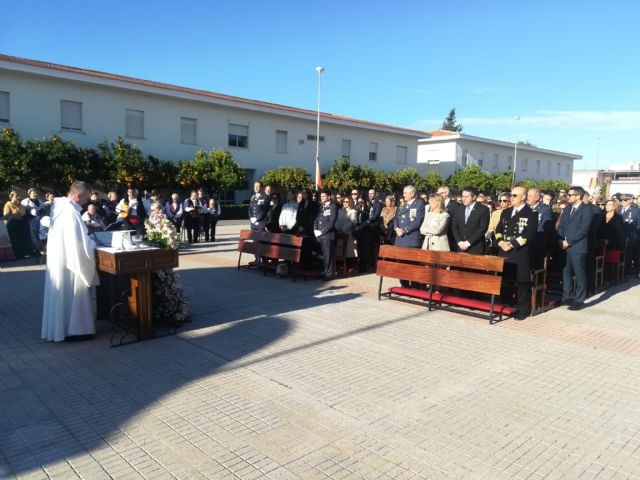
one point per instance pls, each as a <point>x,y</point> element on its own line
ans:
<point>537,166</point>
<point>346,149</point>
<point>496,161</point>
<point>568,170</point>
<point>465,157</point>
<point>4,107</point>
<point>70,116</point>
<point>548,167</point>
<point>281,141</point>
<point>558,169</point>
<point>373,152</point>
<point>313,138</point>
<point>510,161</point>
<point>481,159</point>
<point>401,155</point>
<point>188,130</point>
<point>238,136</point>
<point>134,121</point>
<point>525,164</point>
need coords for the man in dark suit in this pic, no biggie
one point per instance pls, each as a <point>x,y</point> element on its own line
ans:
<point>515,233</point>
<point>408,221</point>
<point>470,223</point>
<point>591,243</point>
<point>573,232</point>
<point>368,231</point>
<point>451,206</point>
<point>324,231</point>
<point>541,244</point>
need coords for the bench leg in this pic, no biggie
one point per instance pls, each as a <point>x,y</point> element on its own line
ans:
<point>380,289</point>
<point>239,258</point>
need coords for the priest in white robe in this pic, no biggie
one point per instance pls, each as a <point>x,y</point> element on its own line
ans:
<point>71,270</point>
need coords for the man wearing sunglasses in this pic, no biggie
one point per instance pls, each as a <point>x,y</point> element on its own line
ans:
<point>573,233</point>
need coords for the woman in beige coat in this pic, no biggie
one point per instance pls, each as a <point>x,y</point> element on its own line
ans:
<point>434,226</point>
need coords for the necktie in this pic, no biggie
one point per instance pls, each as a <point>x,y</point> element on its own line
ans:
<point>467,211</point>
<point>573,209</point>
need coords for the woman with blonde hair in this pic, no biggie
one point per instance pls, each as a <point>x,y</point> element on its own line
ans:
<point>434,226</point>
<point>346,220</point>
<point>14,214</point>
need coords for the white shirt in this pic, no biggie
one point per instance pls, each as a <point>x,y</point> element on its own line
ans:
<point>288,215</point>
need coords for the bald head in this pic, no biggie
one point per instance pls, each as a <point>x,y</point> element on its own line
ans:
<point>518,196</point>
<point>533,196</point>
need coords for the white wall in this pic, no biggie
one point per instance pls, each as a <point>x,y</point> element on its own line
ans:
<point>451,151</point>
<point>35,112</point>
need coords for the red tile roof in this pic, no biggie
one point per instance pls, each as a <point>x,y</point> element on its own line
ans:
<point>175,88</point>
<point>442,133</point>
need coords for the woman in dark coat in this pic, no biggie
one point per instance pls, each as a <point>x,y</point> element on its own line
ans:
<point>610,227</point>
<point>273,215</point>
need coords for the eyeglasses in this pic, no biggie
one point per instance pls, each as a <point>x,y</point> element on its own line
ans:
<point>504,200</point>
<point>514,195</point>
<point>574,194</point>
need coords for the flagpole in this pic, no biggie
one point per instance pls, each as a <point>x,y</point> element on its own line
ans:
<point>515,155</point>
<point>317,166</point>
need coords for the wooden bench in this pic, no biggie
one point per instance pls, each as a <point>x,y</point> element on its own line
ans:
<point>440,270</point>
<point>271,248</point>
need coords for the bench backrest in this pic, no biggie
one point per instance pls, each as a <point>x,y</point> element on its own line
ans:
<point>271,245</point>
<point>482,273</point>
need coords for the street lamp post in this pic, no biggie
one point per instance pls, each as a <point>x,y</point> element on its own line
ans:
<point>515,154</point>
<point>317,167</point>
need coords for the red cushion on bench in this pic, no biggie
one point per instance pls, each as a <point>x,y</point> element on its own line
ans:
<point>412,292</point>
<point>478,304</point>
<point>612,256</point>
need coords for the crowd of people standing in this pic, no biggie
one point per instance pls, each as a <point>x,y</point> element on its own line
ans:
<point>526,227</point>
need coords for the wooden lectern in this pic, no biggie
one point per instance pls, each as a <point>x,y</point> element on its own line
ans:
<point>136,266</point>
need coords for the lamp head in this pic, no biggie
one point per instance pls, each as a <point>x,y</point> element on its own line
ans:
<point>319,69</point>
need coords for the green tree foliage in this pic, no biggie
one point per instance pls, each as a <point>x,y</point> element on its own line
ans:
<point>129,168</point>
<point>501,182</point>
<point>407,176</point>
<point>528,183</point>
<point>12,161</point>
<point>163,173</point>
<point>450,123</point>
<point>55,163</point>
<point>432,180</point>
<point>472,176</point>
<point>288,179</point>
<point>342,176</point>
<point>553,185</point>
<point>215,170</point>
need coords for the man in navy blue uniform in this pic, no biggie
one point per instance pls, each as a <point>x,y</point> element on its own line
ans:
<point>258,208</point>
<point>631,218</point>
<point>408,219</point>
<point>574,237</point>
<point>324,231</point>
<point>515,233</point>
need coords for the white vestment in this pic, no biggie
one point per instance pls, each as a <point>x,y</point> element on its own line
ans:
<point>71,272</point>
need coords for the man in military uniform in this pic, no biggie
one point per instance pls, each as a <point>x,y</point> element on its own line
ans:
<point>258,208</point>
<point>324,231</point>
<point>408,221</point>
<point>516,230</point>
<point>631,218</point>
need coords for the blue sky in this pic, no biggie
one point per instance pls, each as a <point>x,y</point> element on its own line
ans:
<point>569,69</point>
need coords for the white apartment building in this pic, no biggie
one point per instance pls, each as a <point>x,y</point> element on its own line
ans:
<point>448,152</point>
<point>39,99</point>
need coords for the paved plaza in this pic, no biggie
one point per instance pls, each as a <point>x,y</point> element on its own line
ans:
<point>313,380</point>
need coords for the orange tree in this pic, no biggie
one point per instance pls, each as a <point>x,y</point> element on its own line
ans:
<point>215,170</point>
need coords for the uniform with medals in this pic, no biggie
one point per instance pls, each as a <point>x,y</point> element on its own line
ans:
<point>409,218</point>
<point>519,230</point>
<point>630,228</point>
<point>258,210</point>
<point>324,230</point>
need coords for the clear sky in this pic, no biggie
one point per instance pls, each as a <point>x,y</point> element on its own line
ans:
<point>570,69</point>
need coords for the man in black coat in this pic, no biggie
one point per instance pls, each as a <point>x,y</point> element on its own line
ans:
<point>470,223</point>
<point>515,233</point>
<point>542,243</point>
<point>408,219</point>
<point>451,206</point>
<point>573,232</point>
<point>324,231</point>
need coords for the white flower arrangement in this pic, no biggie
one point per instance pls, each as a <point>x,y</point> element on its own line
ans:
<point>169,301</point>
<point>162,233</point>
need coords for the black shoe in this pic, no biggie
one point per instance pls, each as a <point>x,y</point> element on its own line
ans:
<point>577,306</point>
<point>79,338</point>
